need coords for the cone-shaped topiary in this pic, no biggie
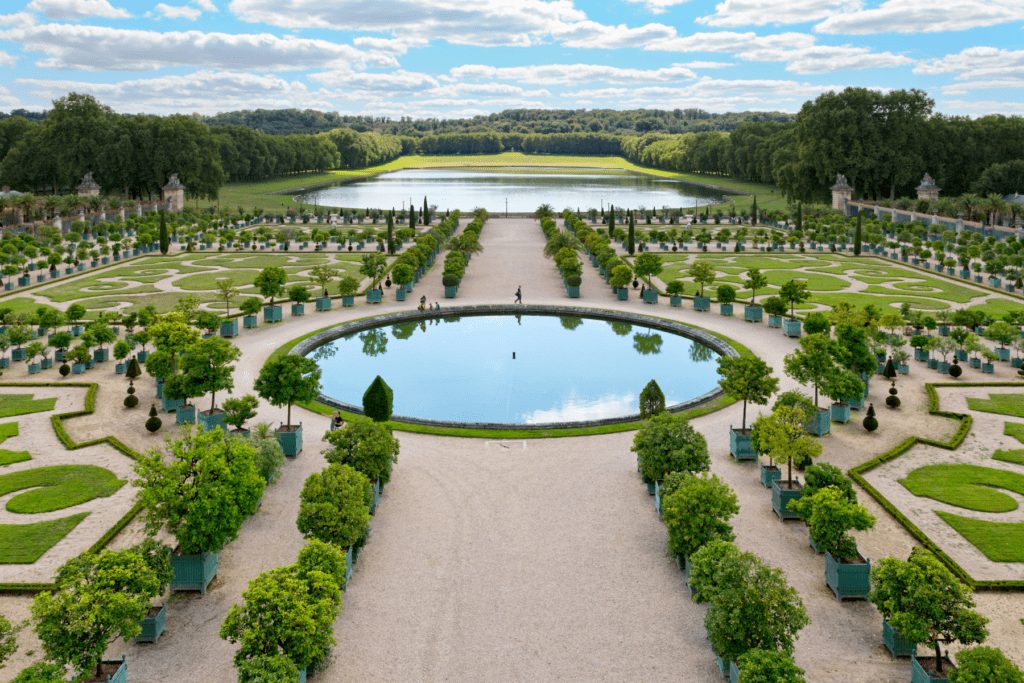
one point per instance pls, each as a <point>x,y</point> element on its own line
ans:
<point>652,400</point>
<point>65,370</point>
<point>134,369</point>
<point>378,401</point>
<point>871,422</point>
<point>153,423</point>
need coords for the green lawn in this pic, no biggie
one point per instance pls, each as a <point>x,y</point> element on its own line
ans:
<point>8,430</point>
<point>57,487</point>
<point>971,487</point>
<point>23,404</point>
<point>997,307</point>
<point>1016,430</point>
<point>26,543</point>
<point>999,541</point>
<point>1000,404</point>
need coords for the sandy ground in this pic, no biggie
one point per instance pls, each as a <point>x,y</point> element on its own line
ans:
<point>504,562</point>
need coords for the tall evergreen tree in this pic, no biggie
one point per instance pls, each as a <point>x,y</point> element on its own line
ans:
<point>856,234</point>
<point>611,221</point>
<point>391,233</point>
<point>630,245</point>
<point>165,240</point>
<point>426,210</point>
<point>754,212</point>
<point>800,216</point>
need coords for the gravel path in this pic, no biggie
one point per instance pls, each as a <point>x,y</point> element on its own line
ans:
<point>546,562</point>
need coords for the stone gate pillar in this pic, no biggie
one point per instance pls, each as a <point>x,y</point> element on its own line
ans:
<point>174,194</point>
<point>842,193</point>
<point>927,189</point>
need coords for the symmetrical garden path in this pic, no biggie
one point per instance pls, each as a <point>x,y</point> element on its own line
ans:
<point>543,562</point>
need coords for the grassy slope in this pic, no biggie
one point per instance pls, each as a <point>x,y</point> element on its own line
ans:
<point>250,195</point>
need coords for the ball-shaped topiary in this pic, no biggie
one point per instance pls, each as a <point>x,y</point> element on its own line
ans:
<point>574,280</point>
<point>955,370</point>
<point>153,423</point>
<point>131,401</point>
<point>65,370</point>
<point>449,280</point>
<point>870,421</point>
<point>669,443</point>
<point>892,400</point>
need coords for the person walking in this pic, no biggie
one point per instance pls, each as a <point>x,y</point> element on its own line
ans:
<point>519,295</point>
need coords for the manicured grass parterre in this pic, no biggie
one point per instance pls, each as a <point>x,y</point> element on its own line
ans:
<point>968,486</point>
<point>8,430</point>
<point>1016,430</point>
<point>998,541</point>
<point>26,543</point>
<point>1000,404</point>
<point>57,487</point>
<point>23,404</point>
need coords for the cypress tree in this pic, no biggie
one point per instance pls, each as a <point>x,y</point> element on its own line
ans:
<point>611,222</point>
<point>378,401</point>
<point>630,246</point>
<point>426,210</point>
<point>753,211</point>
<point>800,216</point>
<point>391,236</point>
<point>856,234</point>
<point>412,217</point>
<point>165,240</point>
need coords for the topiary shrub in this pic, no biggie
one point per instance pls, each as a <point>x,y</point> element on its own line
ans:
<point>378,401</point>
<point>669,443</point>
<point>131,401</point>
<point>267,669</point>
<point>870,421</point>
<point>153,423</point>
<point>65,370</point>
<point>652,400</point>
<point>366,445</point>
<point>334,505</point>
<point>449,280</point>
<point>574,280</point>
<point>892,400</point>
<point>817,477</point>
<point>769,666</point>
<point>955,370</point>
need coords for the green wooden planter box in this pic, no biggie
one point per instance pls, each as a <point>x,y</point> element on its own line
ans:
<point>572,291</point>
<point>725,309</point>
<point>449,292</point>
<point>740,445</point>
<point>841,412</point>
<point>897,645</point>
<point>975,363</point>
<point>153,627</point>
<point>650,296</point>
<point>120,368</point>
<point>347,301</point>
<point>172,404</point>
<point>821,423</point>
<point>185,415</point>
<point>34,368</point>
<point>213,421</point>
<point>193,572</point>
<point>375,296</point>
<point>121,675</point>
<point>791,328</point>
<point>348,567</point>
<point>775,321</point>
<point>723,667</point>
<point>848,580</point>
<point>229,328</point>
<point>1004,354</point>
<point>753,314</point>
<point>143,355</point>
<point>47,363</point>
<point>921,354</point>
<point>400,294</point>
<point>770,474</point>
<point>18,354</point>
<point>702,303</point>
<point>933,363</point>
<point>676,301</point>
<point>988,368</point>
<point>734,673</point>
<point>323,303</point>
<point>622,293</point>
<point>298,309</point>
<point>76,368</point>
<point>657,497</point>
<point>291,441</point>
<point>919,675</point>
<point>810,541</point>
<point>272,314</point>
<point>376,497</point>
<point>101,355</point>
<point>781,498</point>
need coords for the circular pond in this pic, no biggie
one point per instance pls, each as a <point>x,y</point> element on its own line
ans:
<point>525,369</point>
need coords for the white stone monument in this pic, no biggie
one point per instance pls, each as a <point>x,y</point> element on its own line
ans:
<point>928,189</point>
<point>842,193</point>
<point>174,194</point>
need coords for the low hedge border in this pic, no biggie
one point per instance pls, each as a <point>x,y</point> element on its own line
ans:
<point>857,474</point>
<point>58,426</point>
<point>472,432</point>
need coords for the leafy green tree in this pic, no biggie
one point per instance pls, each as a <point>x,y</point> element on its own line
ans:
<point>165,240</point>
<point>172,334</point>
<point>378,400</point>
<point>228,291</point>
<point>323,274</point>
<point>298,294</point>
<point>621,275</point>
<point>703,273</point>
<point>783,436</point>
<point>669,443</point>
<point>646,265</point>
<point>99,598</point>
<point>204,493</point>
<point>755,281</point>
<point>936,607</point>
<point>206,367</point>
<point>717,565</point>
<point>768,666</point>
<point>270,282</point>
<point>1002,332</point>
<point>334,505</point>
<point>347,286</point>
<point>652,400</point>
<point>366,445</point>
<point>268,669</point>
<point>794,292</point>
<point>747,378</point>
<point>288,379</point>
<point>982,664</point>
<point>238,409</point>
<point>373,266</point>
<point>697,512</point>
<point>814,362</point>
<point>8,639</point>
<point>43,672</point>
<point>831,516</point>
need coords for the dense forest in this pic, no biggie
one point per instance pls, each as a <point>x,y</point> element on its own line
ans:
<point>883,142</point>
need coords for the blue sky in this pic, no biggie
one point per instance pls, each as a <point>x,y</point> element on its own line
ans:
<point>455,58</point>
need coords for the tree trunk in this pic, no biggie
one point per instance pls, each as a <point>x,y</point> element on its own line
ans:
<point>289,415</point>
<point>938,658</point>
<point>743,425</point>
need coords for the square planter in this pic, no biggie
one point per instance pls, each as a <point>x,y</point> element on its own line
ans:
<point>298,309</point>
<point>193,572</point>
<point>18,354</point>
<point>918,674</point>
<point>961,355</point>
<point>47,363</point>
<point>290,439</point>
<point>272,314</point>
<point>120,368</point>
<point>782,496</point>
<point>740,445</point>
<point>24,281</point>
<point>657,497</point>
<point>249,321</point>
<point>173,404</point>
<point>897,645</point>
<point>820,424</point>
<point>347,301</point>
<point>944,330</point>
<point>34,368</point>
<point>400,294</point>
<point>988,368</point>
<point>375,296</point>
<point>77,368</point>
<point>933,363</point>
<point>152,625</point>
<point>143,355</point>
<point>116,670</point>
<point>1016,362</point>
<point>702,303</point>
<point>323,303</point>
<point>185,415</point>
<point>676,301</point>
<point>40,278</point>
<point>848,580</point>
<point>229,328</point>
<point>574,292</point>
<point>1004,354</point>
<point>212,420</point>
<point>769,475</point>
<point>841,412</point>
<point>943,368</point>
<point>449,292</point>
<point>775,321</point>
<point>650,296</point>
<point>725,309</point>
<point>791,328</point>
<point>975,363</point>
<point>753,314</point>
<point>101,355</point>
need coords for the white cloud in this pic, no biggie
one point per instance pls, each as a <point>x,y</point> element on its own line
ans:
<point>460,89</point>
<point>590,34</point>
<point>984,107</point>
<point>924,16</point>
<point>190,13</point>
<point>970,86</point>
<point>706,65</point>
<point>100,48</point>
<point>7,60</point>
<point>71,10</point>
<point>729,41</point>
<point>20,19</point>
<point>659,6</point>
<point>206,5</point>
<point>977,62</point>
<point>191,93</point>
<point>552,74</point>
<point>755,90</point>
<point>7,99</point>
<point>483,22</point>
<point>400,81</point>
<point>734,13</point>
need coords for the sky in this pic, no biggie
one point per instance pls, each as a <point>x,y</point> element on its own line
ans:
<point>459,58</point>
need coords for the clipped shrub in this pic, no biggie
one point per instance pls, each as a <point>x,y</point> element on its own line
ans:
<point>154,422</point>
<point>652,400</point>
<point>574,280</point>
<point>984,665</point>
<point>334,505</point>
<point>817,477</point>
<point>870,421</point>
<point>366,445</point>
<point>65,370</point>
<point>130,401</point>
<point>268,669</point>
<point>768,666</point>
<point>449,280</point>
<point>697,511</point>
<point>378,401</point>
<point>669,443</point>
